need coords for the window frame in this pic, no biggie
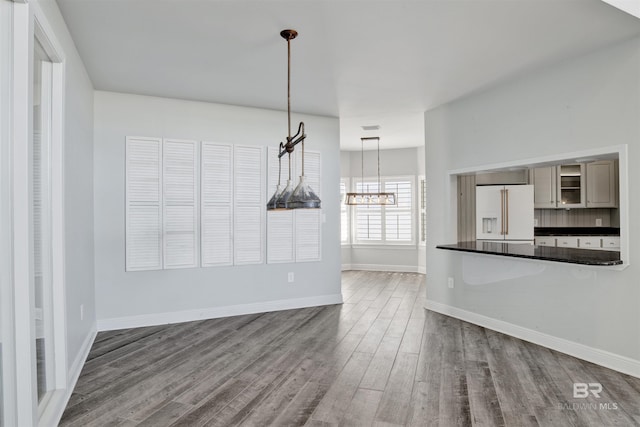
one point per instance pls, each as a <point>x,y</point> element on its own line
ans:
<point>344,208</point>
<point>383,242</point>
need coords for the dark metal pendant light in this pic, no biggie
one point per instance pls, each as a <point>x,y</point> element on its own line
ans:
<point>378,198</point>
<point>302,197</point>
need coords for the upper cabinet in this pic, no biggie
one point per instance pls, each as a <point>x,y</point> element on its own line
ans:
<point>571,186</point>
<point>576,185</point>
<point>544,190</point>
<point>602,184</point>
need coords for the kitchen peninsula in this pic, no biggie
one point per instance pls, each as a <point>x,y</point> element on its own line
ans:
<point>546,253</point>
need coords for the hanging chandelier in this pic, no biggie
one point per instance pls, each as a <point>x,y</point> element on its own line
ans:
<point>370,198</point>
<point>302,197</point>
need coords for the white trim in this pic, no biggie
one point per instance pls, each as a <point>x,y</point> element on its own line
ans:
<point>345,267</point>
<point>607,359</point>
<point>60,398</point>
<point>215,312</point>
<point>422,269</point>
<point>533,161</point>
<point>384,267</point>
<point>8,381</point>
<point>26,399</point>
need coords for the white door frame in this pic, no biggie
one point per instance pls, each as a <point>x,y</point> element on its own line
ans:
<point>29,22</point>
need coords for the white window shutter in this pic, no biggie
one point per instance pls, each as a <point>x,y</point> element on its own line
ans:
<point>307,222</point>
<point>249,204</point>
<point>37,203</point>
<point>280,240</point>
<point>344,212</point>
<point>368,218</point>
<point>216,204</point>
<point>308,235</point>
<point>143,204</point>
<point>280,225</point>
<point>398,217</point>
<point>180,200</point>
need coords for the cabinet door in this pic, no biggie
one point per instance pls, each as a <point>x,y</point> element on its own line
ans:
<point>611,242</point>
<point>590,242</point>
<point>544,182</point>
<point>602,184</point>
<point>571,186</point>
<point>545,241</point>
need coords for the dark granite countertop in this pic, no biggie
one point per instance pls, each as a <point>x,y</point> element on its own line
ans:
<point>576,231</point>
<point>548,253</point>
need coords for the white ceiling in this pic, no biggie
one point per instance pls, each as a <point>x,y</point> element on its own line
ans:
<point>366,62</point>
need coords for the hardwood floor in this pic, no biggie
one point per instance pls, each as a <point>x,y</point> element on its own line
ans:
<point>378,359</point>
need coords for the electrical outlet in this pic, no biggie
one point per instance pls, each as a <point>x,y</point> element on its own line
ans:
<point>81,311</point>
<point>290,277</point>
<point>450,282</point>
<point>598,222</point>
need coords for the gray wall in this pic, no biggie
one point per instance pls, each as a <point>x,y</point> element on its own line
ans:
<point>121,294</point>
<point>78,170</point>
<point>582,103</point>
<point>393,162</point>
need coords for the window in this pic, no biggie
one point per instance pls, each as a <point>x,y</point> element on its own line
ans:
<point>368,218</point>
<point>391,224</point>
<point>344,212</point>
<point>398,216</point>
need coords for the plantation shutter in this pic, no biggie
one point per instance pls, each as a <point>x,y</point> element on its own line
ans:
<point>280,224</point>
<point>368,217</point>
<point>216,207</point>
<point>307,221</point>
<point>307,234</point>
<point>180,203</point>
<point>398,217</point>
<point>344,213</point>
<point>249,204</point>
<point>143,204</point>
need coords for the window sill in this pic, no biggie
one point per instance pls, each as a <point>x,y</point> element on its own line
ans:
<point>394,246</point>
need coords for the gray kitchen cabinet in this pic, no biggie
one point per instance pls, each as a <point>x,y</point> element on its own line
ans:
<point>544,191</point>
<point>602,184</point>
<point>570,184</point>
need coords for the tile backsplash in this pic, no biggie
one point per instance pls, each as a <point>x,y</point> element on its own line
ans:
<point>576,217</point>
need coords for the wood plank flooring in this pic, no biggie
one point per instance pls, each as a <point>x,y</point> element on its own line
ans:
<point>378,359</point>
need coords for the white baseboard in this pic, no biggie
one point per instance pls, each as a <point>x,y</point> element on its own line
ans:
<point>383,267</point>
<point>607,359</point>
<point>214,312</point>
<point>346,267</point>
<point>422,270</point>
<point>59,398</point>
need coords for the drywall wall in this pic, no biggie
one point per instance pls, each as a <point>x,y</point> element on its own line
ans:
<point>78,189</point>
<point>393,162</point>
<point>582,103</point>
<point>153,296</point>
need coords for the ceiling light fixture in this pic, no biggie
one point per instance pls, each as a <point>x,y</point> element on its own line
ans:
<point>370,198</point>
<point>303,197</point>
